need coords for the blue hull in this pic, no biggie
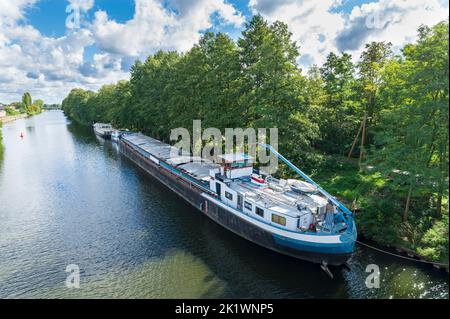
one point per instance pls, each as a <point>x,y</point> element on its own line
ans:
<point>346,246</point>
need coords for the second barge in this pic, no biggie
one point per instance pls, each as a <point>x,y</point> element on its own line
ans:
<point>103,130</point>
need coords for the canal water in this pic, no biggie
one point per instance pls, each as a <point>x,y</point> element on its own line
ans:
<point>67,197</point>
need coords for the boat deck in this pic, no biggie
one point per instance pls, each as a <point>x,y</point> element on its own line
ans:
<point>284,201</point>
<point>195,167</point>
<point>273,196</point>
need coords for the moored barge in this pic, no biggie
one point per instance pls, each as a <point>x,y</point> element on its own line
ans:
<point>103,130</point>
<point>292,217</point>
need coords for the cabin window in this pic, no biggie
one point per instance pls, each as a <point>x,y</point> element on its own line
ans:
<point>228,196</point>
<point>247,205</point>
<point>279,219</point>
<point>259,211</point>
<point>239,164</point>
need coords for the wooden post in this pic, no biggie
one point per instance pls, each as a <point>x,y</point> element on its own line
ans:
<point>354,142</point>
<point>361,151</point>
<point>408,200</point>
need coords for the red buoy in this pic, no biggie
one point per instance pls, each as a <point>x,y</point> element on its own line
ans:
<point>21,135</point>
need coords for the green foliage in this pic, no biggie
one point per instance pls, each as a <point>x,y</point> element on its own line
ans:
<point>11,111</point>
<point>341,112</point>
<point>35,108</point>
<point>76,106</point>
<point>26,100</point>
<point>434,243</point>
<point>28,106</point>
<point>412,141</point>
<point>370,68</point>
<point>257,82</point>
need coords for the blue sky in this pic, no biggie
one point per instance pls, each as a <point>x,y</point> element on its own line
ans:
<point>41,53</point>
<point>49,16</point>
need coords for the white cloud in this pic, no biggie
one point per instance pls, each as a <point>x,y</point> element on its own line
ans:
<point>155,26</point>
<point>313,24</point>
<point>48,67</point>
<point>146,29</point>
<point>30,61</point>
<point>12,10</point>
<point>394,21</point>
<point>83,5</point>
<point>319,29</point>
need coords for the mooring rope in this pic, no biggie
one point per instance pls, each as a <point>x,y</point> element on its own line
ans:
<point>400,256</point>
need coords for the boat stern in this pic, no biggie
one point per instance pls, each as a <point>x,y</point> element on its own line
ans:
<point>330,249</point>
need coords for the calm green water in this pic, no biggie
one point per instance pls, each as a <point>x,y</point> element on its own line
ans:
<point>66,197</point>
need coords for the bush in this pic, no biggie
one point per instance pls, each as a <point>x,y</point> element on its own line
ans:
<point>434,244</point>
<point>11,111</point>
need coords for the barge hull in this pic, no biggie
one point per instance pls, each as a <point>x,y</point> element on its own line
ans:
<point>102,135</point>
<point>193,194</point>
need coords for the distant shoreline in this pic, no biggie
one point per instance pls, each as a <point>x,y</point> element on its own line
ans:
<point>8,119</point>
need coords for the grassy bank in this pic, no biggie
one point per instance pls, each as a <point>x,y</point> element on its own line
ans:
<point>379,204</point>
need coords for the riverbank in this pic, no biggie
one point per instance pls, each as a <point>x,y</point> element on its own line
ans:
<point>378,206</point>
<point>8,119</point>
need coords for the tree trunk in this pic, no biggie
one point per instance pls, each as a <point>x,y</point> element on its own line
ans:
<point>354,141</point>
<point>439,201</point>
<point>442,165</point>
<point>408,201</point>
<point>363,137</point>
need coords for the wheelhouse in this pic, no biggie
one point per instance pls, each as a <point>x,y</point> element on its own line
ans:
<point>270,200</point>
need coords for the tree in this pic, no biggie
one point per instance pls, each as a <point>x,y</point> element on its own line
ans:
<point>119,109</point>
<point>26,102</point>
<point>35,108</point>
<point>370,67</point>
<point>26,99</point>
<point>77,106</point>
<point>39,103</point>
<point>251,54</point>
<point>412,141</point>
<point>221,81</point>
<point>273,88</point>
<point>341,112</point>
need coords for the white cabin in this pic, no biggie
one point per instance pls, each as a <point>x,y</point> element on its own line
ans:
<point>271,201</point>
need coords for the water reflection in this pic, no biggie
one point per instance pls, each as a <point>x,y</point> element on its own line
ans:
<point>174,275</point>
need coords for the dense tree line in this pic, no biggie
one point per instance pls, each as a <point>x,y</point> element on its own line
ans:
<point>256,82</point>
